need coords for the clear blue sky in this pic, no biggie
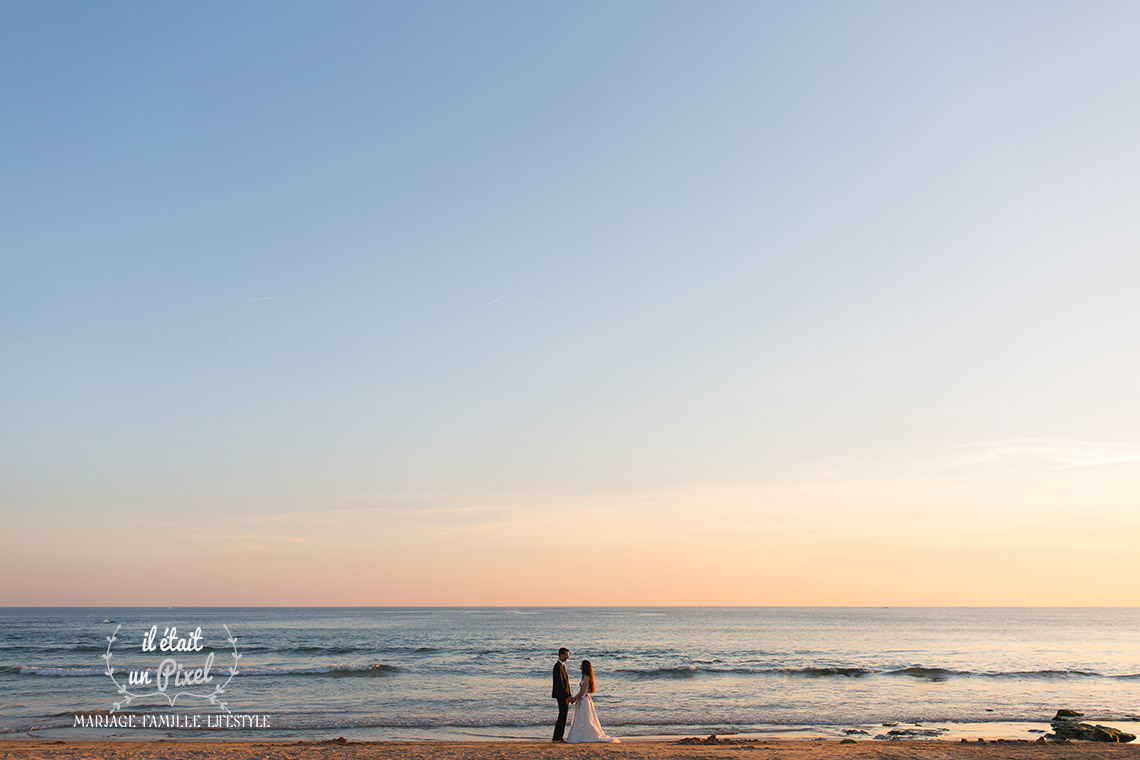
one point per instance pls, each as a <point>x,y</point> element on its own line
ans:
<point>268,260</point>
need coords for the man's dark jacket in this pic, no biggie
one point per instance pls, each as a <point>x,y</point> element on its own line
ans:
<point>561,687</point>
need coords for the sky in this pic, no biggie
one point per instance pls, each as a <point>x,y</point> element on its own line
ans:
<point>541,303</point>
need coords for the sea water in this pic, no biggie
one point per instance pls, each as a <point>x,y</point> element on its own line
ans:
<point>483,673</point>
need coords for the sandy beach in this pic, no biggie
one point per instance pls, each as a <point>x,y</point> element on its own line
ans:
<point>631,750</point>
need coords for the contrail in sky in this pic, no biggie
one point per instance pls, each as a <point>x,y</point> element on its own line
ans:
<point>266,298</point>
<point>500,298</point>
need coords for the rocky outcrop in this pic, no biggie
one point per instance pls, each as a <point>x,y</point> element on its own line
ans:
<point>713,739</point>
<point>901,734</point>
<point>1067,725</point>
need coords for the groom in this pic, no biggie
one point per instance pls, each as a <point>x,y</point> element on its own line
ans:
<point>561,692</point>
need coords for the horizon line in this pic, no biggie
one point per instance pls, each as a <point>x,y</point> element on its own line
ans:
<point>574,607</point>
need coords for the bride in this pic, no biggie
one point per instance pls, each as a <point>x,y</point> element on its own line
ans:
<point>584,726</point>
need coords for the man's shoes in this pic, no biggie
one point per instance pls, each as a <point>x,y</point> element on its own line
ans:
<point>557,741</point>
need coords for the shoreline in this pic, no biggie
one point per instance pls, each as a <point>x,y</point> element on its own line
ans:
<point>634,749</point>
<point>881,733</point>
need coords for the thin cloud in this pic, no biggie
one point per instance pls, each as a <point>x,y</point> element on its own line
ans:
<point>1050,453</point>
<point>496,300</point>
<point>185,527</point>
<point>418,512</point>
<point>264,298</point>
<point>338,515</point>
<point>247,538</point>
<point>228,543</point>
<point>159,523</point>
<point>479,527</point>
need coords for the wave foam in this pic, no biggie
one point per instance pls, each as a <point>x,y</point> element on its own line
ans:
<point>335,671</point>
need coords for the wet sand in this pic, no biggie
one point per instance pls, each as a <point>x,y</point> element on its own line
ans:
<point>630,750</point>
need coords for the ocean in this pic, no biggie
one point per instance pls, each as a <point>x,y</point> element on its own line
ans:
<point>484,673</point>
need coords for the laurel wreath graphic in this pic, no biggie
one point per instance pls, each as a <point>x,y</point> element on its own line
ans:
<point>128,695</point>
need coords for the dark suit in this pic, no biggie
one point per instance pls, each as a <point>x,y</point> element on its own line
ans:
<point>560,690</point>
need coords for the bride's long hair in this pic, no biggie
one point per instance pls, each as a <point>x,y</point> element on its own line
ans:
<point>588,671</point>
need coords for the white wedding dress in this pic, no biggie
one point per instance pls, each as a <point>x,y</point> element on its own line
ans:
<point>584,726</point>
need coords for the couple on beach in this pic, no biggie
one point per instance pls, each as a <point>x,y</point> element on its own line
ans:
<point>584,725</point>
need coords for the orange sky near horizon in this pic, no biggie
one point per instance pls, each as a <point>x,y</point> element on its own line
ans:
<point>958,535</point>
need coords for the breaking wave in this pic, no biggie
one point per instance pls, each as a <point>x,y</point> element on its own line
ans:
<point>334,671</point>
<point>913,671</point>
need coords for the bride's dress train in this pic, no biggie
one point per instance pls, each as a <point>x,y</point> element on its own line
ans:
<point>585,726</point>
